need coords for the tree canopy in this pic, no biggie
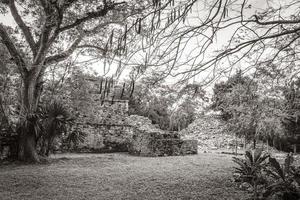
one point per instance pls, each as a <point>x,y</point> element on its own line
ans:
<point>48,32</point>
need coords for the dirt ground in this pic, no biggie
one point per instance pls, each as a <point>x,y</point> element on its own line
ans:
<point>206,176</point>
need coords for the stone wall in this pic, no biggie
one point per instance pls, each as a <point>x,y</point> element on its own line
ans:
<point>104,122</point>
<point>145,143</point>
<point>106,138</point>
<point>143,124</point>
<point>97,111</point>
<point>189,147</point>
<point>141,143</point>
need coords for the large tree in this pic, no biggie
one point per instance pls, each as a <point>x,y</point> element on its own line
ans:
<point>50,31</point>
<point>238,102</point>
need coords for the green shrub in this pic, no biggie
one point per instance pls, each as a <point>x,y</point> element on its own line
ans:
<point>56,121</point>
<point>73,138</point>
<point>284,180</point>
<point>250,169</point>
<point>269,180</point>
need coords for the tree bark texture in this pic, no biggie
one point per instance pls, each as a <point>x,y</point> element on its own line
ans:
<point>27,135</point>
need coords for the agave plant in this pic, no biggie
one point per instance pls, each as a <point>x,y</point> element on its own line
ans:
<point>74,137</point>
<point>31,122</point>
<point>250,169</point>
<point>29,126</point>
<point>57,118</point>
<point>251,166</point>
<point>285,181</point>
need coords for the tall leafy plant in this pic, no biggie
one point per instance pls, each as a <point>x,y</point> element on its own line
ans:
<point>74,138</point>
<point>267,177</point>
<point>56,121</point>
<point>250,168</point>
<point>285,180</point>
<point>33,123</point>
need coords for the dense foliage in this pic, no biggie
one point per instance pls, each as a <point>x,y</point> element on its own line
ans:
<point>253,112</point>
<point>171,109</point>
<point>52,121</point>
<point>267,177</point>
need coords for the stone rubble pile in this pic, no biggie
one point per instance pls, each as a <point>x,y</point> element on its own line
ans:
<point>142,124</point>
<point>210,132</point>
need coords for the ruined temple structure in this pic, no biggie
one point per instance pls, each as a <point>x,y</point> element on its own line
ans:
<point>104,122</point>
<point>109,128</point>
<point>101,114</point>
<point>148,140</point>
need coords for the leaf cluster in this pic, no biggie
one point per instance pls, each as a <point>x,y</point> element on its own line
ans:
<point>267,177</point>
<point>50,121</point>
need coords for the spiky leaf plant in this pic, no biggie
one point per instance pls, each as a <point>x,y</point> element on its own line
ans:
<point>250,169</point>
<point>75,137</point>
<point>57,118</point>
<point>284,182</point>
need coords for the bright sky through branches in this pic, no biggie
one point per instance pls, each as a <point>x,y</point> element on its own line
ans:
<point>222,37</point>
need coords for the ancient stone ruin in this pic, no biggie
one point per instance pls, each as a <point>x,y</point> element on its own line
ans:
<point>104,122</point>
<point>148,140</point>
<point>110,129</point>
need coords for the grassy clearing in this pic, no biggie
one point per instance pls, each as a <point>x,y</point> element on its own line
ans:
<point>121,176</point>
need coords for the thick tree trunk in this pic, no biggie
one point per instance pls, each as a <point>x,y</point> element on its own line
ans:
<point>27,147</point>
<point>27,135</point>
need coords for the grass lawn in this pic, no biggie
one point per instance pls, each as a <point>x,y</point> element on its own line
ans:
<point>121,176</point>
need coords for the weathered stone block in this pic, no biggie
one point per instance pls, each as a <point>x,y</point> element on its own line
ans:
<point>167,147</point>
<point>106,138</point>
<point>189,147</point>
<point>141,143</point>
<point>156,144</point>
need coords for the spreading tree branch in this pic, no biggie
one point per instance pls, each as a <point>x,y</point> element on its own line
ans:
<point>91,46</point>
<point>43,43</point>
<point>91,15</point>
<point>47,38</point>
<point>22,25</point>
<point>65,54</point>
<point>17,58</point>
<point>297,21</point>
<point>53,18</point>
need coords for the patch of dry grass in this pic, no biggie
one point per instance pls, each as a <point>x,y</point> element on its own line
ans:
<point>121,176</point>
